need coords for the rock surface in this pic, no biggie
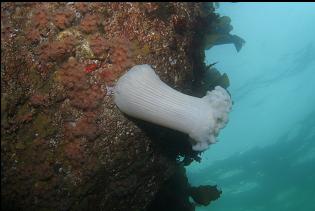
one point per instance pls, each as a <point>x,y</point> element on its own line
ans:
<point>64,144</point>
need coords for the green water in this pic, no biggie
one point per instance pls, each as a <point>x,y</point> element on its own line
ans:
<point>265,157</point>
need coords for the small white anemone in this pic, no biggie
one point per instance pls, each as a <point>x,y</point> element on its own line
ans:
<point>141,94</point>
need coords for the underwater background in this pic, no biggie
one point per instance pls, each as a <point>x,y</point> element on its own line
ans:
<point>265,157</point>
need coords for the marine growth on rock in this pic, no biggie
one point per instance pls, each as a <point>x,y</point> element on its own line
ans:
<point>64,143</point>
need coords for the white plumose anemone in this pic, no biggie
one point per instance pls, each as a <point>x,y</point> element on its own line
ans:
<point>141,94</point>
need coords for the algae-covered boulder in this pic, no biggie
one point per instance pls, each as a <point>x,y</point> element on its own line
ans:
<point>64,143</point>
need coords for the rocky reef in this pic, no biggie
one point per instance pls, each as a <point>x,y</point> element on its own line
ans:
<point>64,144</point>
